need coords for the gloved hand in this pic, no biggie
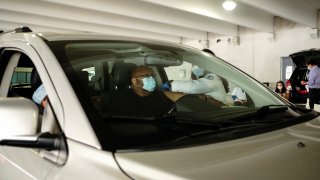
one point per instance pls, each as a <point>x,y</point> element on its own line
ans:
<point>166,86</point>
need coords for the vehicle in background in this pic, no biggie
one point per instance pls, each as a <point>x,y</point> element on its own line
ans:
<point>298,92</point>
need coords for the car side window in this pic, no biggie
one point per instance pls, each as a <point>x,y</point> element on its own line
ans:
<point>21,79</point>
<point>8,62</point>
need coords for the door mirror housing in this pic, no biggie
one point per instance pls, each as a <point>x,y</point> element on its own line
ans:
<point>18,117</point>
<point>19,125</point>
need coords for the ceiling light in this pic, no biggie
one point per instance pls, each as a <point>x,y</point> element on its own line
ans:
<point>229,5</point>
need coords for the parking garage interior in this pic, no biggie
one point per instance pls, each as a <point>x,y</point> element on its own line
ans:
<point>248,44</point>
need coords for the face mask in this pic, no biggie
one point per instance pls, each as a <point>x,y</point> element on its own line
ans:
<point>309,67</point>
<point>149,83</point>
<point>197,71</point>
<point>39,95</point>
<point>279,87</point>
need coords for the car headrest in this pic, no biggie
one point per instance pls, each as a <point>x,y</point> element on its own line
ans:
<point>122,74</point>
<point>83,78</point>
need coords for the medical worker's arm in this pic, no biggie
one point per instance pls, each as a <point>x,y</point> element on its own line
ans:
<point>193,86</point>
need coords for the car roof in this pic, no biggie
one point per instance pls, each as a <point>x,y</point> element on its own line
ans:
<point>49,36</point>
<point>85,36</point>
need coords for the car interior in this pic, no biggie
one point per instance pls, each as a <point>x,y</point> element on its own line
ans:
<point>301,74</point>
<point>101,76</point>
<point>25,79</point>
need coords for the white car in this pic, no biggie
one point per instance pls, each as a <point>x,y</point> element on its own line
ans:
<point>86,131</point>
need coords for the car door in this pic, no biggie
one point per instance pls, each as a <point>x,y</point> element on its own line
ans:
<point>16,69</point>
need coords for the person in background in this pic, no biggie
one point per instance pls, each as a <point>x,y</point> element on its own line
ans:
<point>313,82</point>
<point>282,90</point>
<point>239,97</point>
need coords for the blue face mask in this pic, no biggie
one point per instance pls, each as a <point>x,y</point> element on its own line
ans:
<point>149,83</point>
<point>198,71</point>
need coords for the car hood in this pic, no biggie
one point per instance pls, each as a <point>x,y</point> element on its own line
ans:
<point>299,58</point>
<point>289,153</point>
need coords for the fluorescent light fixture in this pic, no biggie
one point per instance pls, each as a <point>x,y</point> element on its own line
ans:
<point>229,5</point>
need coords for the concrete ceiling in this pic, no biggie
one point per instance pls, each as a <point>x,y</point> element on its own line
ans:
<point>158,19</point>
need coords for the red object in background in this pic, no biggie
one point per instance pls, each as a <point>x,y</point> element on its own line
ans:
<point>302,92</point>
<point>288,85</point>
<point>289,88</point>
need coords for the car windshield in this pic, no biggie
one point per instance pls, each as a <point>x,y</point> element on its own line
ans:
<point>146,95</point>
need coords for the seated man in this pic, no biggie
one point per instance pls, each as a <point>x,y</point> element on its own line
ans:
<point>142,99</point>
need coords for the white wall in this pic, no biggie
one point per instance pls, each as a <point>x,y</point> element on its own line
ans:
<point>258,54</point>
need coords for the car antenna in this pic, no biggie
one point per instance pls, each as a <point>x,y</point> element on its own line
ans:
<point>22,29</point>
<point>17,30</point>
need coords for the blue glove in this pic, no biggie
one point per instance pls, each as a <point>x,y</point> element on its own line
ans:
<point>166,86</point>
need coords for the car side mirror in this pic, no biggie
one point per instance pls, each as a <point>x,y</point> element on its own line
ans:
<point>18,116</point>
<point>19,125</point>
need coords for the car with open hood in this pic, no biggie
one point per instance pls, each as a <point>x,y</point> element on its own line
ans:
<point>77,135</point>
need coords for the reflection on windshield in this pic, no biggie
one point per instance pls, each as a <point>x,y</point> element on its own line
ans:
<point>121,81</point>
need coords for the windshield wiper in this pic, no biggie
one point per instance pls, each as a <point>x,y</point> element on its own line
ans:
<point>300,109</point>
<point>266,109</point>
<point>190,121</point>
<point>261,112</point>
<point>169,119</point>
<point>212,125</point>
<point>186,120</point>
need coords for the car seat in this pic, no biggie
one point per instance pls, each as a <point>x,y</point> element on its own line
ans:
<point>121,74</point>
<point>83,77</point>
<point>120,80</point>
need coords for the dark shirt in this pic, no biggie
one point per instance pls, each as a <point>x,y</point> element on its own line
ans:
<point>128,103</point>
